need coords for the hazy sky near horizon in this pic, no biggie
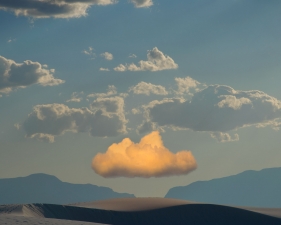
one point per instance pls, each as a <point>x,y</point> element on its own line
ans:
<point>78,77</point>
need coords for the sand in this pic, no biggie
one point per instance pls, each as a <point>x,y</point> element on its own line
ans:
<point>139,211</point>
<point>20,220</point>
<point>134,204</point>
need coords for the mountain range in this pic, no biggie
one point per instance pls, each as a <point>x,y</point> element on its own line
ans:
<point>43,188</point>
<point>250,188</point>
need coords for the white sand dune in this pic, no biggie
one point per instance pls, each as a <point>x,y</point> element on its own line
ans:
<point>139,211</point>
<point>20,220</point>
<point>142,204</point>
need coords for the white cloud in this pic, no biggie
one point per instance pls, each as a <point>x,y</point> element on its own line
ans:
<point>185,85</point>
<point>120,68</point>
<point>148,158</point>
<point>156,61</point>
<point>136,111</point>
<point>20,75</point>
<point>213,110</point>
<point>107,55</point>
<point>51,8</point>
<point>109,105</point>
<point>132,56</point>
<point>47,121</point>
<point>111,90</point>
<point>142,3</point>
<point>147,89</point>
<point>233,102</point>
<point>104,69</point>
<point>43,137</point>
<point>224,137</point>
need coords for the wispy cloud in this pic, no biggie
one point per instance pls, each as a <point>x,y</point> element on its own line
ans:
<point>107,55</point>
<point>132,56</point>
<point>156,61</point>
<point>147,89</point>
<point>142,3</point>
<point>104,69</point>
<point>111,90</point>
<point>90,52</point>
<point>76,97</point>
<point>224,137</point>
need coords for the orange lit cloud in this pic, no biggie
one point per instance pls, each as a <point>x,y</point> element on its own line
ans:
<point>149,158</point>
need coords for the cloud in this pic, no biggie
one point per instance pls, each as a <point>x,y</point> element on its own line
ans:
<point>51,8</point>
<point>120,68</point>
<point>185,85</point>
<point>17,126</point>
<point>111,90</point>
<point>149,158</point>
<point>136,111</point>
<point>75,97</point>
<point>132,56</point>
<point>156,61</point>
<point>217,108</point>
<point>47,121</point>
<point>107,55</point>
<point>20,75</point>
<point>104,69</point>
<point>224,137</point>
<point>109,105</point>
<point>142,3</point>
<point>90,52</point>
<point>233,102</point>
<point>146,127</point>
<point>147,89</point>
<point>43,137</point>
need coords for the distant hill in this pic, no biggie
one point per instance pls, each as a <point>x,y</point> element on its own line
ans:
<point>43,188</point>
<point>250,188</point>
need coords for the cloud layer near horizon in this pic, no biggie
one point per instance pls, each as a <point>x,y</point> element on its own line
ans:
<point>148,158</point>
<point>21,75</point>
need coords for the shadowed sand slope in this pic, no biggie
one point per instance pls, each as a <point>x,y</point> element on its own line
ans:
<point>134,204</point>
<point>193,214</point>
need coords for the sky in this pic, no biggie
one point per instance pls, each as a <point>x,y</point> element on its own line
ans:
<point>139,95</point>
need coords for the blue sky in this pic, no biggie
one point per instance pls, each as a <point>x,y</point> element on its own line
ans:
<point>208,81</point>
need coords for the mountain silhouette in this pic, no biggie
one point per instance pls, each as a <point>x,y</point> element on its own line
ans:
<point>250,188</point>
<point>43,188</point>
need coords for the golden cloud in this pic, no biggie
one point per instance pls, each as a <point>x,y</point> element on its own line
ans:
<point>149,158</point>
